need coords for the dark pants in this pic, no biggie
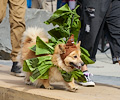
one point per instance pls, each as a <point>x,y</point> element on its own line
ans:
<point>107,16</point>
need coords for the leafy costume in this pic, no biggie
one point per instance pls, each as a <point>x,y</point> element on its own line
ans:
<point>69,23</point>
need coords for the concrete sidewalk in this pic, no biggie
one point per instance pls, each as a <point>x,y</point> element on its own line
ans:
<point>13,88</point>
<point>104,71</point>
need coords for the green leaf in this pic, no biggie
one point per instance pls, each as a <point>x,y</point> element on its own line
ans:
<point>59,16</point>
<point>67,76</point>
<point>38,66</point>
<point>64,8</point>
<point>26,67</point>
<point>44,59</point>
<point>58,19</point>
<point>43,48</point>
<point>29,65</point>
<point>59,32</point>
<point>45,75</point>
<point>86,59</point>
<point>33,48</point>
<point>76,74</point>
<point>84,51</point>
<point>33,63</point>
<point>41,72</point>
<point>76,25</point>
<point>52,39</point>
<point>35,75</point>
<point>61,40</point>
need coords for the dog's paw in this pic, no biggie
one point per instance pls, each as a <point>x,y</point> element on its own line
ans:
<point>50,87</point>
<point>73,89</point>
<point>28,82</point>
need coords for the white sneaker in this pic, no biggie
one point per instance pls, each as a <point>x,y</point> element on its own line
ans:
<point>89,82</point>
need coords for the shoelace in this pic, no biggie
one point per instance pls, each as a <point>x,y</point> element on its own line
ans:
<point>87,76</point>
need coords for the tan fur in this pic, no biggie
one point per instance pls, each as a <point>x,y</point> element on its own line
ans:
<point>29,39</point>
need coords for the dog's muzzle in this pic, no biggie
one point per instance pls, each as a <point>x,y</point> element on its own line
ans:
<point>76,66</point>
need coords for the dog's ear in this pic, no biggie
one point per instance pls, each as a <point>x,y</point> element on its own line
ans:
<point>60,49</point>
<point>78,45</point>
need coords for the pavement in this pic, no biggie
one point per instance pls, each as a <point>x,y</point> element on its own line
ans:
<point>104,70</point>
<point>106,76</point>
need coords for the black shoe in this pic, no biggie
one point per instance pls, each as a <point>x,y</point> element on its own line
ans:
<point>116,60</point>
<point>16,70</point>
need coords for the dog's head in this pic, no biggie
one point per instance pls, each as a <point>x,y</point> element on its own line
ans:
<point>67,56</point>
<point>71,59</point>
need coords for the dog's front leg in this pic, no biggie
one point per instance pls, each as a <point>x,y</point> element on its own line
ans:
<point>47,84</point>
<point>71,86</point>
<point>27,78</point>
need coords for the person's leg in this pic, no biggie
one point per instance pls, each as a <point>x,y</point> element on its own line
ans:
<point>113,22</point>
<point>84,68</point>
<point>17,27</point>
<point>50,5</point>
<point>91,29</point>
<point>87,75</point>
<point>94,46</point>
<point>35,4</point>
<point>92,26</point>
<point>3,5</point>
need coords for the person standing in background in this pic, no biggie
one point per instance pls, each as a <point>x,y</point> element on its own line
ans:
<point>97,15</point>
<point>49,5</point>
<point>17,10</point>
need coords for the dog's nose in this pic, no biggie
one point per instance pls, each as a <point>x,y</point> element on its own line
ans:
<point>82,64</point>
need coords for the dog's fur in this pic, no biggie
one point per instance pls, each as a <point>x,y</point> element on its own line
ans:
<point>29,39</point>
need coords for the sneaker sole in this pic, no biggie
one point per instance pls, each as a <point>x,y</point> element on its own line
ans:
<point>17,74</point>
<point>86,85</point>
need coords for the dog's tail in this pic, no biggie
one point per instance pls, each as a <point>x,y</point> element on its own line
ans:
<point>28,40</point>
<point>32,32</point>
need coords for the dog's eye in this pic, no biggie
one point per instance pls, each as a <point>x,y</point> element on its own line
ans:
<point>75,56</point>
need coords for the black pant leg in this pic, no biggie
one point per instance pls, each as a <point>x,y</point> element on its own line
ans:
<point>89,40</point>
<point>113,23</point>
